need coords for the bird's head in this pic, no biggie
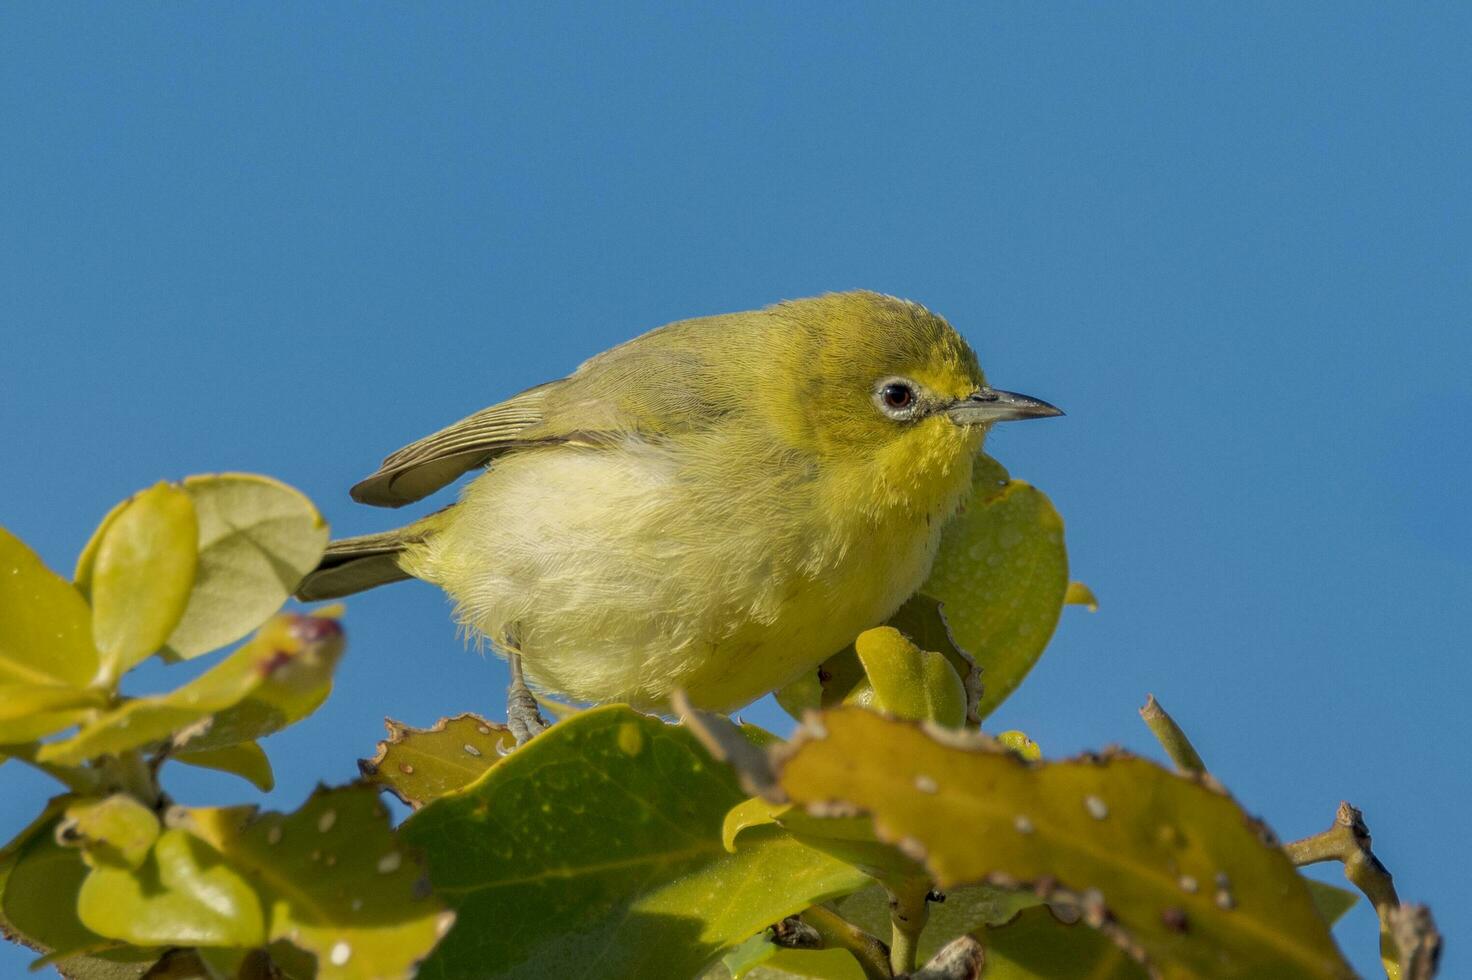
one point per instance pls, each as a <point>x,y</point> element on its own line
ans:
<point>884,380</point>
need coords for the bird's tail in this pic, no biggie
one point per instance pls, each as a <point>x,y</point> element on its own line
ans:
<point>355,564</point>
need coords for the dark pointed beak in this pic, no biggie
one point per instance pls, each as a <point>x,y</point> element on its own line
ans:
<point>987,405</point>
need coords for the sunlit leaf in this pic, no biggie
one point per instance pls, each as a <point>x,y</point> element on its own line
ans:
<point>1079,594</point>
<point>257,539</point>
<point>183,894</point>
<point>759,959</point>
<point>334,881</point>
<point>117,830</point>
<point>1000,576</point>
<point>909,682</point>
<point>1019,742</point>
<point>1173,865</point>
<point>599,842</point>
<point>140,576</point>
<point>32,711</point>
<point>281,676</point>
<point>45,625</point>
<point>1036,946</point>
<point>422,764</point>
<point>245,759</point>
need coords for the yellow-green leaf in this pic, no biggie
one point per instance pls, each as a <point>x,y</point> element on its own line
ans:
<point>45,625</point>
<point>32,711</point>
<point>334,881</point>
<point>599,843</point>
<point>1019,742</point>
<point>116,831</point>
<point>281,676</point>
<point>1001,575</point>
<point>1079,594</point>
<point>1176,865</point>
<point>1036,946</point>
<point>140,576</point>
<point>1331,900</point>
<point>422,764</point>
<point>909,682</point>
<point>184,894</point>
<point>257,539</point>
<point>40,896</point>
<point>246,760</point>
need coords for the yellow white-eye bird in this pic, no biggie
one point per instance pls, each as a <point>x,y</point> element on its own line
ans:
<point>716,506</point>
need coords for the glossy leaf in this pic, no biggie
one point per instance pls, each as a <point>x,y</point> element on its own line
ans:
<point>257,539</point>
<point>184,894</point>
<point>32,711</point>
<point>140,576</point>
<point>117,830</point>
<point>45,625</point>
<point>333,881</point>
<point>246,760</point>
<point>1177,866</point>
<point>909,682</point>
<point>599,842</point>
<point>1036,946</point>
<point>278,678</point>
<point>1001,575</point>
<point>422,764</point>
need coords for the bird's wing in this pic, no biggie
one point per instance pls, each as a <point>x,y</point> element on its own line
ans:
<point>674,378</point>
<point>421,468</point>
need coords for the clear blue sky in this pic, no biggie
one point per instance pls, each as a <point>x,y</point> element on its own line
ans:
<point>1234,242</point>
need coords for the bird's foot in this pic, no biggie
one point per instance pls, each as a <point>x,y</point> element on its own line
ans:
<point>523,716</point>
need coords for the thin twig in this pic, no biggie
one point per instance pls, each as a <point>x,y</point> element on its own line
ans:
<point>1408,933</point>
<point>1172,739</point>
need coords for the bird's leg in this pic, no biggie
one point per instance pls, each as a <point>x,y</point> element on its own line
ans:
<point>522,716</point>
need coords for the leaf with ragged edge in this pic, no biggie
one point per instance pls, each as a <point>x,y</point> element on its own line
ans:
<point>334,881</point>
<point>278,678</point>
<point>139,576</point>
<point>422,764</point>
<point>257,539</point>
<point>599,844</point>
<point>246,760</point>
<point>1001,575</point>
<point>183,894</point>
<point>1036,946</point>
<point>45,625</point>
<point>116,830</point>
<point>1173,865</point>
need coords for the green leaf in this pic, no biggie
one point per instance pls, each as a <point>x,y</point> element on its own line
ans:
<point>40,898</point>
<point>257,539</point>
<point>334,881</point>
<point>1079,594</point>
<point>1170,863</point>
<point>32,711</point>
<point>1001,575</point>
<point>965,910</point>
<point>45,625</point>
<point>278,678</point>
<point>140,575</point>
<point>419,765</point>
<point>116,831</point>
<point>1036,946</point>
<point>184,894</point>
<point>599,843</point>
<point>909,682</point>
<point>1019,742</point>
<point>1331,901</point>
<point>246,760</point>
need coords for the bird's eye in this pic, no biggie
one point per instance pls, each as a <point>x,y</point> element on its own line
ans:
<point>896,396</point>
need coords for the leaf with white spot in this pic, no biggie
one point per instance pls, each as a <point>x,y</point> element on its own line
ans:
<point>334,881</point>
<point>419,765</point>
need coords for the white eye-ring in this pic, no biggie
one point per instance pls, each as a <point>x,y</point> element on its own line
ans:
<point>897,398</point>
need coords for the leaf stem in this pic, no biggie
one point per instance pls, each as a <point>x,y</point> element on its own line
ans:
<point>909,910</point>
<point>1171,738</point>
<point>838,932</point>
